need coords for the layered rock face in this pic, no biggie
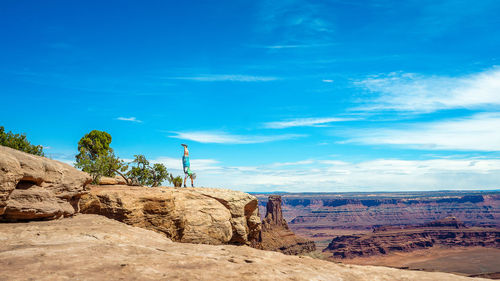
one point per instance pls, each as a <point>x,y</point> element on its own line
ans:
<point>35,188</point>
<point>324,215</point>
<point>91,247</point>
<point>276,236</point>
<point>448,232</point>
<point>194,215</point>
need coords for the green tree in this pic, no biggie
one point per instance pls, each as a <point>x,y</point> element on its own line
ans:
<point>143,174</point>
<point>19,142</point>
<point>93,145</point>
<point>96,157</point>
<point>140,174</point>
<point>159,174</point>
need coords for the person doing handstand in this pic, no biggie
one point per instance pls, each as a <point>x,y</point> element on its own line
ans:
<point>187,166</point>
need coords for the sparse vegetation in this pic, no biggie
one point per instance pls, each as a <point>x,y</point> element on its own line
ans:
<point>19,142</point>
<point>97,158</point>
<point>143,174</point>
<point>177,181</point>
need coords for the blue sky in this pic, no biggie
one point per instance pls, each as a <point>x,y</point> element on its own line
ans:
<point>295,95</point>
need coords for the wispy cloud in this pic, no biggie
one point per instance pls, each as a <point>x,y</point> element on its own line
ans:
<point>176,163</point>
<point>334,175</point>
<point>305,122</point>
<point>129,119</point>
<point>296,21</point>
<point>296,163</point>
<point>293,46</point>
<point>327,80</point>
<point>420,94</point>
<point>475,133</point>
<point>226,138</point>
<point>226,77</point>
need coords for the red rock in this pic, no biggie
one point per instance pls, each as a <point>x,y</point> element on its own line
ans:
<point>277,236</point>
<point>448,232</point>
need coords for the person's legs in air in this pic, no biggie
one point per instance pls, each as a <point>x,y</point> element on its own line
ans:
<point>186,174</point>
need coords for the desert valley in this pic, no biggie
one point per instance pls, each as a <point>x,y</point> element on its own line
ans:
<point>452,231</point>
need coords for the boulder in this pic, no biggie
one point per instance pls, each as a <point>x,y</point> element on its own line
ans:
<point>277,236</point>
<point>194,215</point>
<point>91,247</point>
<point>245,217</point>
<point>34,187</point>
<point>112,180</point>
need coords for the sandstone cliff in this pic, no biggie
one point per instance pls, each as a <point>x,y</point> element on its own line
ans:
<point>34,187</point>
<point>276,236</point>
<point>91,247</point>
<point>194,215</point>
<point>448,232</point>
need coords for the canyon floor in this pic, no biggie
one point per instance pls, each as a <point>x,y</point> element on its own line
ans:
<point>471,261</point>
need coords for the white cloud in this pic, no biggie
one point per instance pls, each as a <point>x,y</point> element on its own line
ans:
<point>334,175</point>
<point>420,94</point>
<point>226,138</point>
<point>327,80</point>
<point>176,163</point>
<point>296,163</point>
<point>295,46</point>
<point>129,119</point>
<point>476,133</point>
<point>299,22</point>
<point>305,122</point>
<point>227,77</point>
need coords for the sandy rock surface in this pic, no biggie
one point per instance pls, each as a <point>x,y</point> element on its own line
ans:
<point>34,187</point>
<point>111,180</point>
<point>91,247</point>
<point>194,215</point>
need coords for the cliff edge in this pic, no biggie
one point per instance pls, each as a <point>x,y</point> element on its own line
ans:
<point>193,215</point>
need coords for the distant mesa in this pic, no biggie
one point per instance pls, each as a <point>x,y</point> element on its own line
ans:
<point>447,232</point>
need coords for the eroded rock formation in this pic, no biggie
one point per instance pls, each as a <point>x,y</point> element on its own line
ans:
<point>448,232</point>
<point>194,215</point>
<point>35,188</point>
<point>276,236</point>
<point>323,216</point>
<point>91,247</point>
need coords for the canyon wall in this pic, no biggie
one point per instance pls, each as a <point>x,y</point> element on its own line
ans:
<point>314,213</point>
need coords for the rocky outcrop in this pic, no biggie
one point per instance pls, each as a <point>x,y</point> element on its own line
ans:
<point>194,215</point>
<point>91,247</point>
<point>35,188</point>
<point>448,232</point>
<point>276,236</point>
